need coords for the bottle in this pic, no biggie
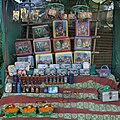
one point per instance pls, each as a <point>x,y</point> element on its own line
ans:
<point>18,87</point>
<point>65,79</point>
<point>27,89</point>
<point>23,88</point>
<point>45,89</point>
<point>57,79</point>
<point>71,78</point>
<point>32,89</point>
<point>61,81</point>
<point>37,89</point>
<point>15,78</point>
<point>14,87</point>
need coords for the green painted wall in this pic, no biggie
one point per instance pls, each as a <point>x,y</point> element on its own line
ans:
<point>13,31</point>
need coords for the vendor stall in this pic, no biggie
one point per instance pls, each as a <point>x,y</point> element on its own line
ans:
<point>50,70</point>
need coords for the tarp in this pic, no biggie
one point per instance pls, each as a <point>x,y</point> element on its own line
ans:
<point>116,42</point>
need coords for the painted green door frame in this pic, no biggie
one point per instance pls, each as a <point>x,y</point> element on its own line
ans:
<point>3,29</point>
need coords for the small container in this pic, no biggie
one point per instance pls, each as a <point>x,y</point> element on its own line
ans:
<point>23,88</point>
<point>18,87</point>
<point>45,89</point>
<point>15,78</point>
<point>71,78</point>
<point>65,79</point>
<point>14,87</point>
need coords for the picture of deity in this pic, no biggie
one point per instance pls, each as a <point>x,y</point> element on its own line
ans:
<point>82,43</point>
<point>40,31</point>
<point>64,58</point>
<point>82,28</point>
<point>44,59</point>
<point>42,45</point>
<point>61,44</point>
<point>60,28</point>
<point>23,48</point>
<point>82,56</point>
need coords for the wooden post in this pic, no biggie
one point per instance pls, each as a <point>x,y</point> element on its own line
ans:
<point>96,31</point>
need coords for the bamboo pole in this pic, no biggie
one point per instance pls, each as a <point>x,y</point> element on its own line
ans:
<point>96,31</point>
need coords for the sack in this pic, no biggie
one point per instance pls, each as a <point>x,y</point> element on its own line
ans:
<point>104,71</point>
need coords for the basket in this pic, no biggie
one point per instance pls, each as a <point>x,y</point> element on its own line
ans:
<point>104,71</point>
<point>45,113</point>
<point>29,113</point>
<point>10,114</point>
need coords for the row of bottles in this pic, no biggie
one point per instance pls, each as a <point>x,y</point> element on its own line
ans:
<point>54,80</point>
<point>25,88</point>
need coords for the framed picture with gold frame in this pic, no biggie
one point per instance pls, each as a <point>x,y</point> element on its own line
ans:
<point>43,59</point>
<point>82,56</point>
<point>60,28</point>
<point>64,58</point>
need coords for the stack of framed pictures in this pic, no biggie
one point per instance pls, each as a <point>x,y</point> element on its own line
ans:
<point>83,42</point>
<point>61,42</point>
<point>42,44</point>
<point>24,52</point>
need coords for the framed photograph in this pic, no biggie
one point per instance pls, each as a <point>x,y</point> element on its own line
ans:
<point>76,66</point>
<point>61,44</point>
<point>44,59</point>
<point>82,28</point>
<point>40,31</point>
<point>52,89</point>
<point>39,71</point>
<point>60,28</point>
<point>23,47</point>
<point>16,15</point>
<point>82,56</point>
<point>29,59</point>
<point>85,16</point>
<point>65,66</point>
<point>82,43</point>
<point>34,16</point>
<point>86,65</point>
<point>42,45</point>
<point>50,71</point>
<point>64,58</point>
<point>24,14</point>
<point>12,70</point>
<point>71,16</point>
<point>74,71</point>
<point>57,66</point>
<point>22,66</point>
<point>42,66</point>
<point>84,71</point>
<point>64,16</point>
<point>52,12</point>
<point>21,72</point>
<point>62,72</point>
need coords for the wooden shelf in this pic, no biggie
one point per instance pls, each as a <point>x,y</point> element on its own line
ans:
<point>24,39</point>
<point>42,23</point>
<point>39,23</point>
<point>71,38</point>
